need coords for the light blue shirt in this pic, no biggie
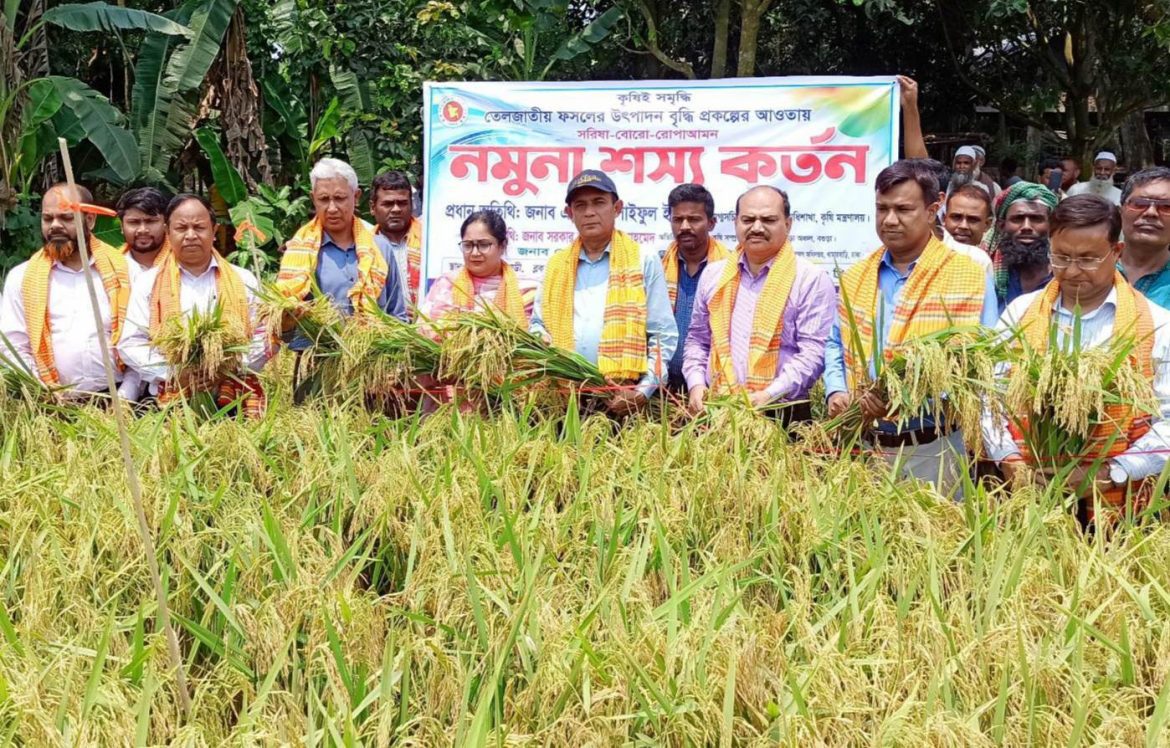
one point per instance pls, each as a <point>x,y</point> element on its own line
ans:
<point>589,313</point>
<point>337,271</point>
<point>890,285</point>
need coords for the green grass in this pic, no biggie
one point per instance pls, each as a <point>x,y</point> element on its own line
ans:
<point>340,579</point>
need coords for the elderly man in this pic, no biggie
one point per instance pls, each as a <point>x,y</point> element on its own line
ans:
<point>605,297</point>
<point>692,218</point>
<point>144,227</point>
<point>391,200</point>
<point>982,176</point>
<point>761,317</point>
<point>1087,295</point>
<point>911,286</point>
<point>194,277</point>
<point>350,263</point>
<point>1145,223</point>
<point>1018,245</point>
<point>1104,167</point>
<point>46,313</point>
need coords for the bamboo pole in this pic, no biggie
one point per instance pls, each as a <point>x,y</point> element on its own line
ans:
<point>118,407</point>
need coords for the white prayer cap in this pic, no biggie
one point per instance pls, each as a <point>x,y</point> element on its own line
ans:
<point>1105,156</point>
<point>979,151</point>
<point>967,151</point>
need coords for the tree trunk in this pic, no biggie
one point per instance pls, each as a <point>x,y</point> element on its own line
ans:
<point>722,27</point>
<point>749,31</point>
<point>1138,150</point>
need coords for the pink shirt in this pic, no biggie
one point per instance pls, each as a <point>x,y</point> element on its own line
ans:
<point>808,318</point>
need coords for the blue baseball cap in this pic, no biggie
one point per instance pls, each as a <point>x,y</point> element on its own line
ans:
<point>598,180</point>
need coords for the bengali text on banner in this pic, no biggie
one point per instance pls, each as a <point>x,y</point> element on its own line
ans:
<point>512,148</point>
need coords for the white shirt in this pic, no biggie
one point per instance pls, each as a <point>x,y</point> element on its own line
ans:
<point>981,258</point>
<point>1141,459</point>
<point>134,268</point>
<point>77,351</point>
<point>1106,190</point>
<point>195,292</point>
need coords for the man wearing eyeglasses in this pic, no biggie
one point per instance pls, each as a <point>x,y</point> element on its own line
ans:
<point>1088,293</point>
<point>1145,224</point>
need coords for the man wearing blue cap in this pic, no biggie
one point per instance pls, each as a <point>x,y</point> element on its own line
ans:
<point>605,297</point>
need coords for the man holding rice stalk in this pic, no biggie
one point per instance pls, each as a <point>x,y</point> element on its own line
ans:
<point>192,325</point>
<point>338,254</point>
<point>45,314</point>
<point>605,297</point>
<point>762,317</point>
<point>1091,409</point>
<point>911,287</point>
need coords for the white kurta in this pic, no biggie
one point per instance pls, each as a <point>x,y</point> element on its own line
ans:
<point>195,292</point>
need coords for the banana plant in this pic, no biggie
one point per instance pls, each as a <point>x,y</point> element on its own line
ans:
<point>36,110</point>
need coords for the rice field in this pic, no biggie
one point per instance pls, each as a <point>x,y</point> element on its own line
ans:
<point>339,578</point>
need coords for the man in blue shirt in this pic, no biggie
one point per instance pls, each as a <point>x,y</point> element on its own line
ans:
<point>692,218</point>
<point>1145,224</point>
<point>593,206</point>
<point>335,194</point>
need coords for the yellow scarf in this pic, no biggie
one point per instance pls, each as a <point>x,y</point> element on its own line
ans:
<point>945,289</point>
<point>414,259</point>
<point>299,265</point>
<point>508,298</point>
<point>767,324</point>
<point>111,266</point>
<point>164,296</point>
<point>622,352</point>
<point>1132,318</point>
<point>163,252</point>
<point>670,265</point>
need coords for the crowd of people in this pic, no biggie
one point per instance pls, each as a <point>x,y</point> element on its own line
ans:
<point>697,319</point>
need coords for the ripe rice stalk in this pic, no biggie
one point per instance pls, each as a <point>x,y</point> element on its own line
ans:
<point>204,344</point>
<point>380,354</point>
<point>1059,396</point>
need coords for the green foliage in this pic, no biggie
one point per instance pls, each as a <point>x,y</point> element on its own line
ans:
<point>98,16</point>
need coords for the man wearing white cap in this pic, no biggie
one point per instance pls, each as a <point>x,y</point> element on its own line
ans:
<point>1102,182</point>
<point>980,175</point>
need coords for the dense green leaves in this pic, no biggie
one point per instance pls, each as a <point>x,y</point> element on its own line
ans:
<point>228,181</point>
<point>98,16</point>
<point>101,124</point>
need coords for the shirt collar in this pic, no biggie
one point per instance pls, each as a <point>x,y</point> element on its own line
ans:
<point>327,239</point>
<point>766,267</point>
<point>889,263</point>
<point>585,258</point>
<point>212,266</point>
<point>58,265</point>
<point>1110,302</point>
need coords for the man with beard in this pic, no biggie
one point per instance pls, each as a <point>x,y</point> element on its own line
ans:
<point>46,313</point>
<point>1145,223</point>
<point>1104,167</point>
<point>391,204</point>
<point>1071,172</point>
<point>1018,244</point>
<point>142,215</point>
<point>692,217</point>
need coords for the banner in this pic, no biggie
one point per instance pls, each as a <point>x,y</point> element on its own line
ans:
<point>512,148</point>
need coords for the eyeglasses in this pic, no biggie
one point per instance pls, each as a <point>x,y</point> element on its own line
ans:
<point>482,246</point>
<point>1139,205</point>
<point>1063,262</point>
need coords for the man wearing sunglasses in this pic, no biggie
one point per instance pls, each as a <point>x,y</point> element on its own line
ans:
<point>1145,224</point>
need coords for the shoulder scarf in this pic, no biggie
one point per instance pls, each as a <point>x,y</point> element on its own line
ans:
<point>509,298</point>
<point>670,265</point>
<point>163,252</point>
<point>622,352</point>
<point>299,265</point>
<point>111,266</point>
<point>767,325</point>
<point>945,289</point>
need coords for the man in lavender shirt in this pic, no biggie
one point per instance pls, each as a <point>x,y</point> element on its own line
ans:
<point>762,222</point>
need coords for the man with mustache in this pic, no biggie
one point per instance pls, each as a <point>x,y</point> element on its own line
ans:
<point>46,313</point>
<point>1018,245</point>
<point>390,203</point>
<point>142,215</point>
<point>1145,224</point>
<point>762,316</point>
<point>692,218</point>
